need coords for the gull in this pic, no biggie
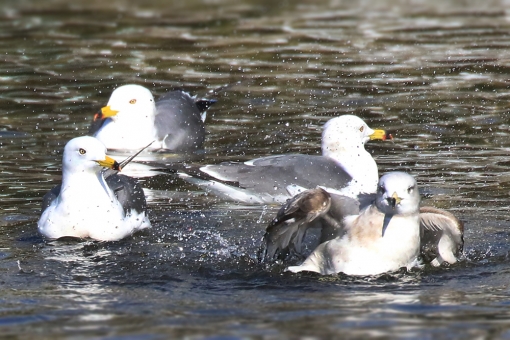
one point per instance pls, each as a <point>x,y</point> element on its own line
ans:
<point>368,236</point>
<point>91,202</point>
<point>131,119</point>
<point>345,167</point>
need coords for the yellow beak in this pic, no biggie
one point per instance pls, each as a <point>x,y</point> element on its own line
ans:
<point>109,162</point>
<point>397,199</point>
<point>108,112</point>
<point>378,135</point>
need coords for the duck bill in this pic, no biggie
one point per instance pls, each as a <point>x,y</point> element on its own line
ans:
<point>380,135</point>
<point>110,163</point>
<point>107,112</point>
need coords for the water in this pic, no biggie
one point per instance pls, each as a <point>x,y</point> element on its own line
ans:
<point>434,74</point>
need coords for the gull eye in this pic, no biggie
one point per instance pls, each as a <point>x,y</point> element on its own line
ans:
<point>361,129</point>
<point>132,101</point>
<point>410,190</point>
<point>82,151</point>
<point>380,189</point>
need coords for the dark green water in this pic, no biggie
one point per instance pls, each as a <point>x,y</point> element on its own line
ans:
<point>435,74</point>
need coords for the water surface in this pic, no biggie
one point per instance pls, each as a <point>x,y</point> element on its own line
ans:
<point>434,74</point>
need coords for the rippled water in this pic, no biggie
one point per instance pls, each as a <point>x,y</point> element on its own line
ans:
<point>435,74</point>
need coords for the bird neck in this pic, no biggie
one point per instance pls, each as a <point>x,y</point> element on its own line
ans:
<point>338,147</point>
<point>358,163</point>
<point>137,121</point>
<point>82,182</point>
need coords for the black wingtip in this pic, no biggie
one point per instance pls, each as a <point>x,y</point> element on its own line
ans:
<point>271,250</point>
<point>204,104</point>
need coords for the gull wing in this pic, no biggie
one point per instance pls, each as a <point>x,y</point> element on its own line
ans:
<point>287,230</point>
<point>442,236</point>
<point>179,121</point>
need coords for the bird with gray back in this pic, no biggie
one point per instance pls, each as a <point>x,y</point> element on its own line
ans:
<point>92,202</point>
<point>345,167</point>
<point>132,119</point>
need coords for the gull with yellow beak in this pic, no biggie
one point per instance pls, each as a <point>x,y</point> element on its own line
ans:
<point>359,239</point>
<point>345,167</point>
<point>92,202</point>
<point>132,119</point>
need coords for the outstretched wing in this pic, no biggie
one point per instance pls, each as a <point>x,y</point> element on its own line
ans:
<point>286,231</point>
<point>442,236</point>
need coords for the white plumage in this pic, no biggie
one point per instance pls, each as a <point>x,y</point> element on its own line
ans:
<point>345,167</point>
<point>372,234</point>
<point>384,237</point>
<point>88,205</point>
<point>133,119</point>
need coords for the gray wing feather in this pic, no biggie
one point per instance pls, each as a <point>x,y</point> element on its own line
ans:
<point>274,174</point>
<point>50,196</point>
<point>341,206</point>
<point>128,191</point>
<point>178,121</point>
<point>365,200</point>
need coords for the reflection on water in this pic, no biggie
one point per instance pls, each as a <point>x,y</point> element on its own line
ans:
<point>79,283</point>
<point>433,74</point>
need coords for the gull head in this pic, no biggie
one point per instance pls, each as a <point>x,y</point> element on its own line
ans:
<point>86,154</point>
<point>397,193</point>
<point>348,132</point>
<point>130,103</point>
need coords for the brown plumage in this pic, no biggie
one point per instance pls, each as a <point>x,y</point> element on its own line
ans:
<point>441,233</point>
